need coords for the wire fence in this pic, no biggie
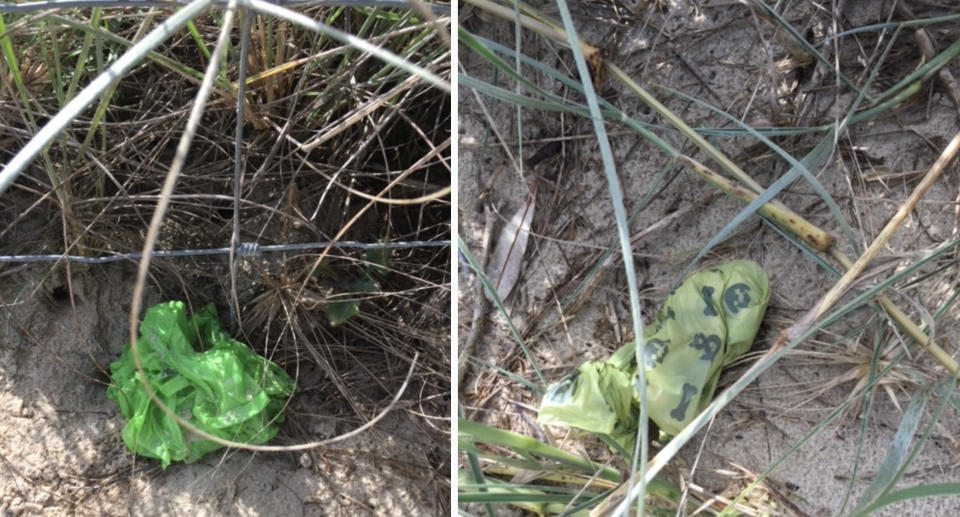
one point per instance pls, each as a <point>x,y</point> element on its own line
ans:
<point>244,249</point>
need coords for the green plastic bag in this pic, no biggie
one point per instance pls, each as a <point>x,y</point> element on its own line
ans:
<point>705,324</point>
<point>213,381</point>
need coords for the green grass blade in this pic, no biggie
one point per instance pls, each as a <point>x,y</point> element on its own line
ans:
<point>519,443</point>
<point>10,60</point>
<point>198,39</point>
<point>917,492</point>
<point>922,73</point>
<point>84,54</point>
<point>474,463</point>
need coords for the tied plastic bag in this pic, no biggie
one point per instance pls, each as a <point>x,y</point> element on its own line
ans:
<point>202,374</point>
<point>705,324</point>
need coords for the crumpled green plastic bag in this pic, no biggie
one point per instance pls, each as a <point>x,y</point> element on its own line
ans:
<point>705,324</point>
<point>202,374</point>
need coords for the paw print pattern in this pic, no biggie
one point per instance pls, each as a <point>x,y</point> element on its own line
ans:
<point>679,413</point>
<point>709,345</point>
<point>736,297</point>
<point>656,350</point>
<point>707,293</point>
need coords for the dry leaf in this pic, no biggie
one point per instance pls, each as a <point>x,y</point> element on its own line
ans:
<point>503,270</point>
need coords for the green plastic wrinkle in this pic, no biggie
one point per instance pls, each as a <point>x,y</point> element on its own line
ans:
<point>705,324</point>
<point>225,389</point>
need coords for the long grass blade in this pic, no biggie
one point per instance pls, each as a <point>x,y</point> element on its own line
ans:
<point>520,443</point>
<point>917,492</point>
<point>909,422</point>
<point>118,69</point>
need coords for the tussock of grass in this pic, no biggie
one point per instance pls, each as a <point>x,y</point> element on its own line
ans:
<point>330,134</point>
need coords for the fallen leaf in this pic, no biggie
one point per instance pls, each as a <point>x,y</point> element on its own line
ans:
<point>503,270</point>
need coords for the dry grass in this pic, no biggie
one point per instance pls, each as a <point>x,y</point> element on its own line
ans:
<point>327,128</point>
<point>741,61</point>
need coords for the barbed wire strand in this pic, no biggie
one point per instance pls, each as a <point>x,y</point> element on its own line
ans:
<point>245,249</point>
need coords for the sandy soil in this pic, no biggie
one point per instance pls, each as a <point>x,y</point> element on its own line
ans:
<point>723,55</point>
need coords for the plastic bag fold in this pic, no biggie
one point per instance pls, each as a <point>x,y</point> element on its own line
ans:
<point>705,324</point>
<point>203,375</point>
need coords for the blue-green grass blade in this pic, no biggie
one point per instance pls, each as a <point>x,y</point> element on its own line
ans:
<point>887,474</point>
<point>800,40</point>
<point>950,18</point>
<point>817,157</point>
<point>623,232</point>
<point>509,375</point>
<point>812,160</point>
<point>945,388</point>
<point>817,429</point>
<point>917,492</point>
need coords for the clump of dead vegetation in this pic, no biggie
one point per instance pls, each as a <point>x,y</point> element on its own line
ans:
<point>336,145</point>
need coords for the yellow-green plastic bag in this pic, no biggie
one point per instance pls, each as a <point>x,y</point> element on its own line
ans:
<point>202,374</point>
<point>706,323</point>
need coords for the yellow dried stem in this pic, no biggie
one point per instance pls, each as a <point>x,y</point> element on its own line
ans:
<point>541,26</point>
<point>781,215</point>
<point>776,211</point>
<point>834,294</point>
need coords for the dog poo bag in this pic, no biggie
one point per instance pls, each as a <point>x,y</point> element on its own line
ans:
<point>213,381</point>
<point>705,324</point>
